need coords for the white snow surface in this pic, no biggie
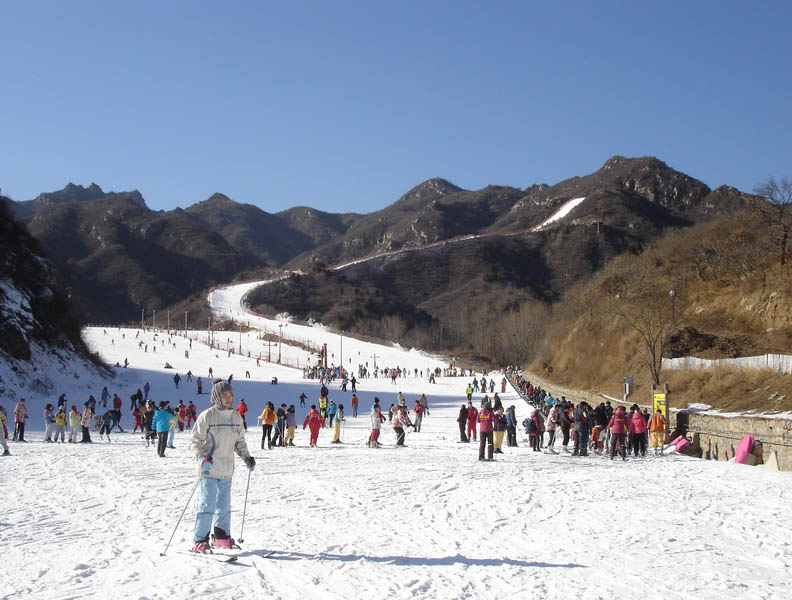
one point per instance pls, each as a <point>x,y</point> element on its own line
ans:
<point>562,212</point>
<point>347,521</point>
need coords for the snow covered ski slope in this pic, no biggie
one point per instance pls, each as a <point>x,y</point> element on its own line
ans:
<point>348,521</point>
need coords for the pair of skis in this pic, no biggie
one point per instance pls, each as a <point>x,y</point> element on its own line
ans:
<point>222,557</point>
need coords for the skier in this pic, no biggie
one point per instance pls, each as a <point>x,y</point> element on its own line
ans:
<point>242,408</point>
<point>637,431</point>
<point>279,430</point>
<point>331,411</point>
<point>105,397</point>
<point>190,414</point>
<point>176,380</point>
<point>290,426</point>
<point>376,424</point>
<point>199,384</point>
<point>313,420</point>
<point>338,418</point>
<point>462,421</point>
<point>498,430</point>
<point>302,399</point>
<point>85,423</point>
<point>618,427</point>
<point>146,390</point>
<point>399,422</point>
<point>148,423</point>
<point>485,418</point>
<point>472,417</point>
<point>355,402</point>
<point>20,416</point>
<point>60,424</point>
<point>657,431</point>
<point>137,415</point>
<point>419,410</point>
<point>74,424</point>
<point>581,430</point>
<point>552,422</point>
<point>217,434</point>
<point>267,418</point>
<point>49,419</point>
<point>511,427</point>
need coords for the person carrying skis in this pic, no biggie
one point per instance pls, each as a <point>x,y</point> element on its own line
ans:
<point>217,435</point>
<point>314,422</point>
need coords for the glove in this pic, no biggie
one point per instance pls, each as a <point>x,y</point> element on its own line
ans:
<point>250,462</point>
<point>206,465</point>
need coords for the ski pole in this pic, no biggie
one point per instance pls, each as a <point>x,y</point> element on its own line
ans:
<point>197,481</point>
<point>244,508</point>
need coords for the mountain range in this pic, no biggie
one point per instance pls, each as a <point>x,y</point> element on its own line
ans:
<point>116,256</point>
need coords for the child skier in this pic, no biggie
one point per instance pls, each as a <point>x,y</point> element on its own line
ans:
<point>338,418</point>
<point>217,435</point>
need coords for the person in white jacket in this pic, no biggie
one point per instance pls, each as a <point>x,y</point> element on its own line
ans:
<point>218,434</point>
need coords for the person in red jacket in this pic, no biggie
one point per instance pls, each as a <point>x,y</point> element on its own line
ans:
<point>355,402</point>
<point>242,408</point>
<point>181,414</point>
<point>619,427</point>
<point>486,419</point>
<point>471,421</point>
<point>137,416</point>
<point>314,422</point>
<point>190,414</point>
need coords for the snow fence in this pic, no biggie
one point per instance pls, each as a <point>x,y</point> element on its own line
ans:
<point>781,363</point>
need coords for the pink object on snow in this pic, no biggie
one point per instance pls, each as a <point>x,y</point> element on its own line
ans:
<point>744,449</point>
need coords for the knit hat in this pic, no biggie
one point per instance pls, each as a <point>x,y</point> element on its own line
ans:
<point>220,386</point>
<point>73,407</point>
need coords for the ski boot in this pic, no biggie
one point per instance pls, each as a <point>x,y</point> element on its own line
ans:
<point>202,547</point>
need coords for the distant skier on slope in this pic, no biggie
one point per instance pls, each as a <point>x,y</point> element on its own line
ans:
<point>314,422</point>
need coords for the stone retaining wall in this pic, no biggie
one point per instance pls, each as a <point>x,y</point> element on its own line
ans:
<point>717,436</point>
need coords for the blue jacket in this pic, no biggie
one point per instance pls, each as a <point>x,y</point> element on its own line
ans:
<point>162,420</point>
<point>511,418</point>
<point>331,410</point>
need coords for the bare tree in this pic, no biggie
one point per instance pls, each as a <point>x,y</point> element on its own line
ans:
<point>655,314</point>
<point>777,212</point>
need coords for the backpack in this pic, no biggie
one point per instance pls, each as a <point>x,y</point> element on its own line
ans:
<point>531,426</point>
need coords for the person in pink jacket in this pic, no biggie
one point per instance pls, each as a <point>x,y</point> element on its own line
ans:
<point>619,426</point>
<point>486,421</point>
<point>637,431</point>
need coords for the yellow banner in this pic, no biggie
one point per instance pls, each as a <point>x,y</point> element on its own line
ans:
<point>659,402</point>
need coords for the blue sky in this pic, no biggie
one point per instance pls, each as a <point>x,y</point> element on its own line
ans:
<point>344,106</point>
